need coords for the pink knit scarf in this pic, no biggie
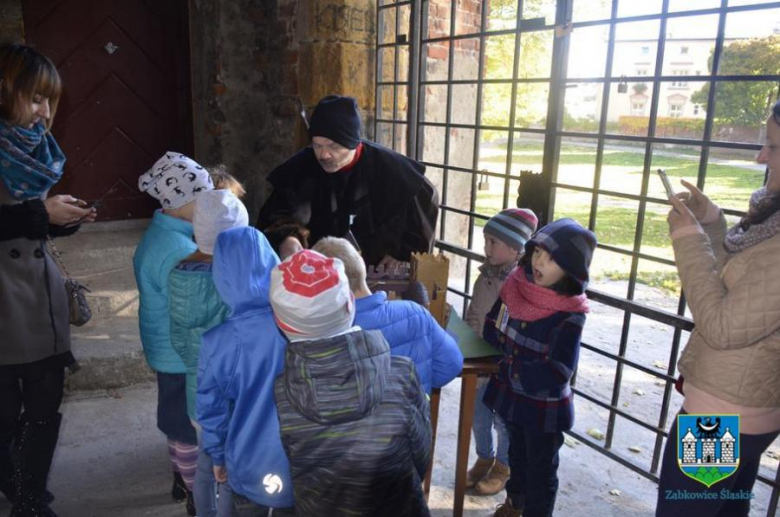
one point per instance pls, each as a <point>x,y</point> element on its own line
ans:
<point>527,301</point>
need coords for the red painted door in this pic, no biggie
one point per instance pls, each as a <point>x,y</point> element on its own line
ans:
<point>126,100</point>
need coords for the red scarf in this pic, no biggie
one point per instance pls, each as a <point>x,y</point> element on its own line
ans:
<point>527,301</point>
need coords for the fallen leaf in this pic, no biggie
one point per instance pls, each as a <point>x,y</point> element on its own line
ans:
<point>660,364</point>
<point>635,448</point>
<point>571,442</point>
<point>615,492</point>
<point>639,391</point>
<point>595,433</point>
<point>660,383</point>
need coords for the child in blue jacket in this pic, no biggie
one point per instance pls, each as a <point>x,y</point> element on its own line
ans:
<point>175,180</point>
<point>195,307</point>
<point>409,328</point>
<point>239,360</point>
<point>537,323</point>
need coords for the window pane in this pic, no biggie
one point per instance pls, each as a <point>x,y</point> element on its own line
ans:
<point>732,176</point>
<point>502,15</point>
<point>535,55</point>
<point>577,163</point>
<point>496,100</point>
<point>437,57</point>
<point>629,112</point>
<point>636,46</point>
<point>582,107</point>
<point>656,243</point>
<point>492,156</point>
<point>751,47</point>
<point>690,42</point>
<point>681,110</point>
<point>434,103</point>
<point>499,56</point>
<point>399,142</point>
<point>468,17</point>
<point>741,109</point>
<point>634,8</point>
<point>433,144</point>
<point>692,5</point>
<point>439,17</point>
<point>585,10</point>
<point>527,153</point>
<point>386,58</point>
<point>466,60</point>
<point>540,9</point>
<point>588,52</point>
<point>621,167</point>
<point>462,149</point>
<point>616,221</point>
<point>681,162</point>
<point>385,102</point>
<point>531,105</point>
<point>464,104</point>
<point>574,204</point>
<point>387,25</point>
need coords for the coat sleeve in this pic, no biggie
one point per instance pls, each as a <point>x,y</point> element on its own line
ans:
<point>28,219</point>
<point>490,332</point>
<point>558,367</point>
<point>734,318</point>
<point>472,318</point>
<point>419,424</point>
<point>447,358</point>
<point>215,372</point>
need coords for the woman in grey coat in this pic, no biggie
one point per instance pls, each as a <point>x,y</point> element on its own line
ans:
<point>35,346</point>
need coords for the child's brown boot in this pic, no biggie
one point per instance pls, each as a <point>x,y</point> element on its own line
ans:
<point>478,471</point>
<point>495,481</point>
<point>507,509</point>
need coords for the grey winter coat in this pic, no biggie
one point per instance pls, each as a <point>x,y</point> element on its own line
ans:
<point>486,291</point>
<point>33,304</point>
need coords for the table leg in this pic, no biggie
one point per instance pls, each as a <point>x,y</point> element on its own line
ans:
<point>435,398</point>
<point>468,391</point>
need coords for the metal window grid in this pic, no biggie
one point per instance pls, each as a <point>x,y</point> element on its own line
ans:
<point>415,122</point>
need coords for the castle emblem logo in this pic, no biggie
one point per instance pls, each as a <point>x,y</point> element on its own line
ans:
<point>708,446</point>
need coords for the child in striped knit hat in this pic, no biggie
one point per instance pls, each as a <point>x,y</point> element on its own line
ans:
<point>505,236</point>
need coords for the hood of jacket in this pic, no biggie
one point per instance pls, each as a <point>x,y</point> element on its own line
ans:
<point>339,379</point>
<point>243,260</point>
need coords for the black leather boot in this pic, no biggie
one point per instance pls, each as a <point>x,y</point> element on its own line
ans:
<point>179,489</point>
<point>33,453</point>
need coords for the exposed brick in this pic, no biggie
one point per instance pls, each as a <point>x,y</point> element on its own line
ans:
<point>437,52</point>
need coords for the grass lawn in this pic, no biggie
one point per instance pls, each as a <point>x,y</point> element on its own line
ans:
<point>729,183</point>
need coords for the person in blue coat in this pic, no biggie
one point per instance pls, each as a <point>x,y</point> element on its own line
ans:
<point>239,360</point>
<point>408,327</point>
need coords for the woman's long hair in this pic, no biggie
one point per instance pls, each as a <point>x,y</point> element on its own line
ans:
<point>759,214</point>
<point>25,73</point>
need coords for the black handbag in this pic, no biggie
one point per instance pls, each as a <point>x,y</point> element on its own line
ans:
<point>78,309</point>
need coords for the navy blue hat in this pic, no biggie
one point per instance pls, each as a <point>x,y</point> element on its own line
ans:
<point>337,119</point>
<point>570,245</point>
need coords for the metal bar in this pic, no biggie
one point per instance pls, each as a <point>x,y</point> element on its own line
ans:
<point>378,71</point>
<point>512,107</point>
<point>618,411</point>
<point>628,362</point>
<point>640,309</point>
<point>422,74</point>
<point>413,87</point>
<point>611,455</point>
<point>396,67</point>
<point>475,151</point>
<point>615,79</point>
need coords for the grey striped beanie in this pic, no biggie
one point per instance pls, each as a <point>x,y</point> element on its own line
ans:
<point>513,226</point>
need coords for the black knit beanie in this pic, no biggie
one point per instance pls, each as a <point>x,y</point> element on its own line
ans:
<point>336,118</point>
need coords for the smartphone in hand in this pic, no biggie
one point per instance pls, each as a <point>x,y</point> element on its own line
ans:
<point>667,184</point>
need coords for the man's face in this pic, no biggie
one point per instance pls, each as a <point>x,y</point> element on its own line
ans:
<point>332,156</point>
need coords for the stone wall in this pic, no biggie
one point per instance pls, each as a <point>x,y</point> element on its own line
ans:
<point>11,22</point>
<point>252,60</point>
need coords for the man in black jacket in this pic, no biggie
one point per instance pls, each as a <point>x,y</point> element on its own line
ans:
<point>343,186</point>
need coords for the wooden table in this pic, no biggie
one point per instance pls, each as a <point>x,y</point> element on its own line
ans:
<point>472,368</point>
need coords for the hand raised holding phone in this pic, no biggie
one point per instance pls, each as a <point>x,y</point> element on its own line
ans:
<point>696,201</point>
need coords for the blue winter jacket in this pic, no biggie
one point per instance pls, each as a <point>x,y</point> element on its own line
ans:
<point>166,242</point>
<point>412,332</point>
<point>195,307</point>
<point>239,360</point>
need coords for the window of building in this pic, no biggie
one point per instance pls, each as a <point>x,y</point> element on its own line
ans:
<point>638,108</point>
<point>645,51</point>
<point>696,109</point>
<point>676,109</point>
<point>641,71</point>
<point>683,50</point>
<point>680,84</point>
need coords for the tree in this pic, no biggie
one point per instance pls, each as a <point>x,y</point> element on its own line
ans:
<point>744,103</point>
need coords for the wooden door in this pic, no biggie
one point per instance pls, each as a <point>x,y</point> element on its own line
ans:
<point>126,98</point>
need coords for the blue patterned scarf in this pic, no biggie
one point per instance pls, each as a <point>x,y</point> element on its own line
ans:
<point>31,162</point>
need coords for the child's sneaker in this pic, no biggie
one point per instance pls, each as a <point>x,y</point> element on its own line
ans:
<point>495,481</point>
<point>507,509</point>
<point>479,470</point>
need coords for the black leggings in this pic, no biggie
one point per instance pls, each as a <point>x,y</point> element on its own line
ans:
<point>37,389</point>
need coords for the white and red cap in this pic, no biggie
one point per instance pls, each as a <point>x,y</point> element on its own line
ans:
<point>310,297</point>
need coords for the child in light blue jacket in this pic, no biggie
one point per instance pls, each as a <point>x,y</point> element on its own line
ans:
<point>175,180</point>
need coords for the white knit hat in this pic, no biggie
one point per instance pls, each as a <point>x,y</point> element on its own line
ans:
<point>310,297</point>
<point>215,212</point>
<point>174,180</point>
